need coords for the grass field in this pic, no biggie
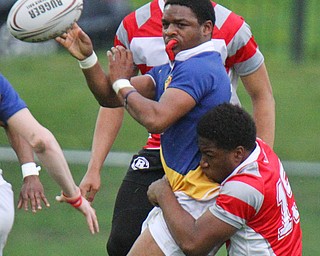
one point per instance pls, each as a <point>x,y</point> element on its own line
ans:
<point>61,231</point>
<point>56,93</point>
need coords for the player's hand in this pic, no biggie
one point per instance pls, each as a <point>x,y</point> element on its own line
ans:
<point>32,191</point>
<point>121,64</point>
<point>90,215</point>
<point>82,205</point>
<point>90,185</point>
<point>77,42</point>
<point>158,190</point>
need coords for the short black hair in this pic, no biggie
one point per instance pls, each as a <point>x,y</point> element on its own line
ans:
<point>203,9</point>
<point>228,126</point>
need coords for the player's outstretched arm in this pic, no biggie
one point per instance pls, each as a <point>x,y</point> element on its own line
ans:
<point>51,156</point>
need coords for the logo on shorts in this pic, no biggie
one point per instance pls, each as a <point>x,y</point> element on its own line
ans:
<point>140,163</point>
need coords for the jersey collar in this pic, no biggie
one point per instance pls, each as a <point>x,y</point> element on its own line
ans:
<point>187,54</point>
<point>253,157</point>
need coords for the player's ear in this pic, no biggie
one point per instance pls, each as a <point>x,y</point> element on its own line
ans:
<point>239,153</point>
<point>207,28</point>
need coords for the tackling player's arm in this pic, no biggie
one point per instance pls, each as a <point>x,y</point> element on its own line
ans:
<point>194,237</point>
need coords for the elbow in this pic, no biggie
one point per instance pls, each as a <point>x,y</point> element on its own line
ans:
<point>41,143</point>
<point>154,126</point>
<point>191,249</point>
<point>108,103</point>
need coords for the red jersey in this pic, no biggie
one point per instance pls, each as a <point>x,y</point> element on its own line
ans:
<point>141,32</point>
<point>257,199</point>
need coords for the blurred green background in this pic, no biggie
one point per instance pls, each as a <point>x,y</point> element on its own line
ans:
<point>56,93</point>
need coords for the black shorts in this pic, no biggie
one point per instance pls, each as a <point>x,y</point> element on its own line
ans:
<point>132,205</point>
<point>145,167</point>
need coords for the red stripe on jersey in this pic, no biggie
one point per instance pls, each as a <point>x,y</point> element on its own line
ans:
<point>243,54</point>
<point>130,25</point>
<point>229,28</point>
<point>153,141</point>
<point>116,41</point>
<point>153,26</point>
<point>236,206</point>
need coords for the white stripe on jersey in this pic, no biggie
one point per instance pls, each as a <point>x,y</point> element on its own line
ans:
<point>258,245</point>
<point>149,51</point>
<point>222,14</point>
<point>226,216</point>
<point>243,192</point>
<point>143,14</point>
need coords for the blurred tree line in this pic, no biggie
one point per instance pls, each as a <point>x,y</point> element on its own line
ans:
<point>288,27</point>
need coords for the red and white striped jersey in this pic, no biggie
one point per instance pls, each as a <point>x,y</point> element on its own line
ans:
<point>257,199</point>
<point>141,32</point>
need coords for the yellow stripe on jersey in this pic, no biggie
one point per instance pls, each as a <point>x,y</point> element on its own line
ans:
<point>195,184</point>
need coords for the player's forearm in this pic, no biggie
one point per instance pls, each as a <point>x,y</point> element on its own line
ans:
<point>21,147</point>
<point>107,127</point>
<point>264,116</point>
<point>55,163</point>
<point>146,112</point>
<point>100,86</point>
<point>182,226</point>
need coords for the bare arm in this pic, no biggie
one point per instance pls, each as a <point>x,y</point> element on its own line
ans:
<point>32,190</point>
<point>194,237</point>
<point>259,88</point>
<point>50,154</point>
<point>107,127</point>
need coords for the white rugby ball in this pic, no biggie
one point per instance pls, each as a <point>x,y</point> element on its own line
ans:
<point>41,20</point>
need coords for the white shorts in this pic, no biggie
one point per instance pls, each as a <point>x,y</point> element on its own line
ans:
<point>158,227</point>
<point>6,211</point>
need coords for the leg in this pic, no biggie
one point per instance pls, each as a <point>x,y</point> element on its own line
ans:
<point>132,205</point>
<point>6,212</point>
<point>131,209</point>
<point>145,246</point>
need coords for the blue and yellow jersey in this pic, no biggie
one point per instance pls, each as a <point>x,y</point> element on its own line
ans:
<point>199,72</point>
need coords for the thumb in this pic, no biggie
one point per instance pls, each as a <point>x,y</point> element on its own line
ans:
<point>61,199</point>
<point>91,195</point>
